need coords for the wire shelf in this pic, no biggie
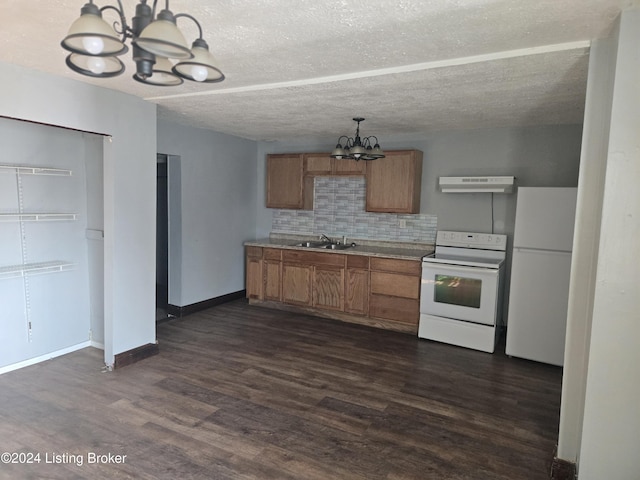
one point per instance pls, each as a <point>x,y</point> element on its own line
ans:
<point>36,217</point>
<point>28,170</point>
<point>13,271</point>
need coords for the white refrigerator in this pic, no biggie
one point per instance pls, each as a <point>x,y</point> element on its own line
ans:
<point>540,271</point>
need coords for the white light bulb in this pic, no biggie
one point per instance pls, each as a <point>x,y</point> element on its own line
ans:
<point>93,45</point>
<point>96,65</point>
<point>199,73</point>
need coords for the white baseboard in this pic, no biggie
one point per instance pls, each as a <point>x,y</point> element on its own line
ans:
<point>42,358</point>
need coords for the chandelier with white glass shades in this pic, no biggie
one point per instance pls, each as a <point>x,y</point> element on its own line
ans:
<point>357,148</point>
<point>95,46</point>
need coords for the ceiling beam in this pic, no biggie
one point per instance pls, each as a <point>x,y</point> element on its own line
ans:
<point>416,67</point>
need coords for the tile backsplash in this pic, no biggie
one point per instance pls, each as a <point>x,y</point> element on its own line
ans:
<point>338,210</point>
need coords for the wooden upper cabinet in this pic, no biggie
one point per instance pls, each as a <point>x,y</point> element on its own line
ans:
<point>346,166</point>
<point>323,164</point>
<point>287,186</point>
<point>394,182</point>
<point>319,164</point>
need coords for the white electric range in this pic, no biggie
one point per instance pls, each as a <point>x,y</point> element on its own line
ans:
<point>462,290</point>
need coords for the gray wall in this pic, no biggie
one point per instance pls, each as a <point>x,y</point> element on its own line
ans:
<point>212,198</point>
<point>129,187</point>
<point>536,156</point>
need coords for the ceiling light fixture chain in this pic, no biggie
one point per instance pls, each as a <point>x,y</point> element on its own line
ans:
<point>95,46</point>
<point>357,148</point>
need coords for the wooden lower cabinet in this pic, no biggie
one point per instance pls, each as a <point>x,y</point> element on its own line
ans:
<point>272,280</point>
<point>395,290</point>
<point>379,291</point>
<point>254,281</point>
<point>404,310</point>
<point>272,274</point>
<point>328,288</point>
<point>357,291</point>
<point>254,278</point>
<point>357,285</point>
<point>296,284</point>
<point>395,285</point>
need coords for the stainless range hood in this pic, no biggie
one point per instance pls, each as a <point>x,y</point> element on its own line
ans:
<point>480,184</point>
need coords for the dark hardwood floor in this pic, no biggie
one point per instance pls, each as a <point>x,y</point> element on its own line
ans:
<point>243,392</point>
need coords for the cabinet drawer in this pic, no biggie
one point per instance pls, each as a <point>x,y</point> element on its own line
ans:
<point>404,310</point>
<point>358,261</point>
<point>254,252</point>
<point>313,258</point>
<point>410,267</point>
<point>396,285</point>
<point>272,254</point>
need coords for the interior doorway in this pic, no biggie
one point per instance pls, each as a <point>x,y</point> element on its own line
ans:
<point>162,238</point>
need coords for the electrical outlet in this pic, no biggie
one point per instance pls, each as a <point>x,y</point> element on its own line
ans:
<point>403,223</point>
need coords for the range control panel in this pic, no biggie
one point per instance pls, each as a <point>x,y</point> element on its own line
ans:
<point>485,241</point>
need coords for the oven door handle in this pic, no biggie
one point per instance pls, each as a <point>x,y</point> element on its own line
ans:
<point>457,268</point>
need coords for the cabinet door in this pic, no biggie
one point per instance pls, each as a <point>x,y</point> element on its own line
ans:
<point>318,164</point>
<point>357,291</point>
<point>394,182</point>
<point>285,182</point>
<point>349,167</point>
<point>272,280</point>
<point>323,164</point>
<point>296,284</point>
<point>328,288</point>
<point>254,278</point>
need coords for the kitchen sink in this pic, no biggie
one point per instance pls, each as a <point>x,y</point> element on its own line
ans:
<point>325,245</point>
<point>337,246</point>
<point>311,244</point>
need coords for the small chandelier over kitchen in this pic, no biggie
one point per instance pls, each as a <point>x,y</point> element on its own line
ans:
<point>95,46</point>
<point>357,148</point>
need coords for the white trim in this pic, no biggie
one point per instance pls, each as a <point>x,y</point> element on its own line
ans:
<point>42,358</point>
<point>99,346</point>
<point>451,62</point>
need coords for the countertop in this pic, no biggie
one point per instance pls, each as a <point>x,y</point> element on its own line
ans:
<point>400,250</point>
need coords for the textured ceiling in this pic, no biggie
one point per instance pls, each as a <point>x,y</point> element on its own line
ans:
<point>303,69</point>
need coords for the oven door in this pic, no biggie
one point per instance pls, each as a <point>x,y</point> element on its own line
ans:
<point>459,292</point>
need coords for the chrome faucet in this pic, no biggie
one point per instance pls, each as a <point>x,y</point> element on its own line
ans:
<point>324,238</point>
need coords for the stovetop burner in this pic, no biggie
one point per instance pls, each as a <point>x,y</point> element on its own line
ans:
<point>469,249</point>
